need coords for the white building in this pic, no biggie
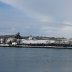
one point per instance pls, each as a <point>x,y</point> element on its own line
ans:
<point>23,41</point>
<point>1,40</point>
<point>14,43</point>
<point>10,39</point>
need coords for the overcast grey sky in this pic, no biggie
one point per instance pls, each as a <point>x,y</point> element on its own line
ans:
<point>36,17</point>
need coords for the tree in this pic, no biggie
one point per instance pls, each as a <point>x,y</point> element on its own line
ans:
<point>4,40</point>
<point>17,36</point>
<point>10,43</point>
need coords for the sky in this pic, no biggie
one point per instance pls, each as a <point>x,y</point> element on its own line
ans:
<point>36,17</point>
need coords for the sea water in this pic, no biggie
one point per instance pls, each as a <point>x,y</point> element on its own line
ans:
<point>35,60</point>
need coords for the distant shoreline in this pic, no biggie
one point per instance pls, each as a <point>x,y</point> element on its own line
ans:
<point>19,41</point>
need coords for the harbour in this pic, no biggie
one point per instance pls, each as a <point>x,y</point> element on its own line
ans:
<point>35,35</point>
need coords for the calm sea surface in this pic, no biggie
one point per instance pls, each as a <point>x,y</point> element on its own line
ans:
<point>35,60</point>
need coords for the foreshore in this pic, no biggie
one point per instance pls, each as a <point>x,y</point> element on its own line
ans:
<point>28,46</point>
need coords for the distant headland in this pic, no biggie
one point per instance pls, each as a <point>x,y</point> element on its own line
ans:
<point>34,41</point>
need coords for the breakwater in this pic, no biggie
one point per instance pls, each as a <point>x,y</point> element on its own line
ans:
<point>54,46</point>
